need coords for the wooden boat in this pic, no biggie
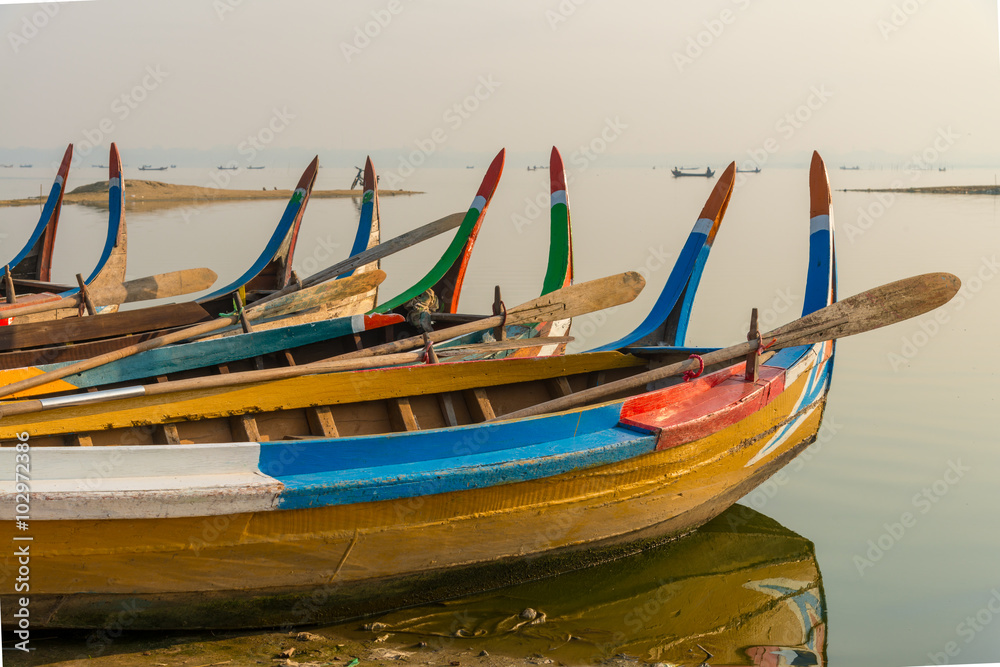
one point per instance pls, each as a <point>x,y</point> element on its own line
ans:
<point>34,261</point>
<point>680,172</point>
<point>353,486</point>
<point>295,341</point>
<point>110,268</point>
<point>742,587</point>
<point>39,342</point>
<point>148,167</point>
<point>755,170</point>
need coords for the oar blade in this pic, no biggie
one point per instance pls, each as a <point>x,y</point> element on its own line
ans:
<point>579,299</point>
<point>873,309</point>
<point>329,292</point>
<point>160,286</point>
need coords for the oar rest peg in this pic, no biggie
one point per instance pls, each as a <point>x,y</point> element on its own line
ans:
<point>86,302</point>
<point>8,282</point>
<point>753,356</point>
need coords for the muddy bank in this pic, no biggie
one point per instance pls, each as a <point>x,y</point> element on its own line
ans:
<point>936,190</point>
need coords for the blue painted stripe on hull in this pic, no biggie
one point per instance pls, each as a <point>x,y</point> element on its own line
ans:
<point>462,473</point>
<point>672,290</point>
<point>403,448</point>
<point>266,255</point>
<point>199,354</point>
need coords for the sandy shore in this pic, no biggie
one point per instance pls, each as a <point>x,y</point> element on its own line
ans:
<point>153,192</point>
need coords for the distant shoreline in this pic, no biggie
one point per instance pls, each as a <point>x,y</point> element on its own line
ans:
<point>937,190</point>
<point>168,194</point>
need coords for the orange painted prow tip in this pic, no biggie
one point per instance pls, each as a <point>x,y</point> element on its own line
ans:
<point>819,187</point>
<point>717,203</point>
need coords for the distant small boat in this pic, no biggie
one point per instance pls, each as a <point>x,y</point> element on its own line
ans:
<point>854,168</point>
<point>99,166</point>
<point>253,167</point>
<point>147,167</point>
<point>228,168</point>
<point>173,166</point>
<point>748,171</point>
<point>688,171</point>
<point>25,166</point>
<point>6,166</point>
<point>942,169</point>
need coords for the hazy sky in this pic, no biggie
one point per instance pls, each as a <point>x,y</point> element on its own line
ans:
<point>639,80</point>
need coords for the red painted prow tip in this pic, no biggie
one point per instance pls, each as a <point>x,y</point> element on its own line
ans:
<point>492,177</point>
<point>308,176</point>
<point>67,159</point>
<point>114,162</point>
<point>819,187</point>
<point>557,171</point>
<point>371,180</point>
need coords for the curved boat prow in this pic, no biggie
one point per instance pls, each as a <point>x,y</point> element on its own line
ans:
<point>110,269</point>
<point>821,280</point>
<point>667,322</point>
<point>366,238</point>
<point>272,269</point>
<point>446,278</point>
<point>34,261</point>
<point>559,273</point>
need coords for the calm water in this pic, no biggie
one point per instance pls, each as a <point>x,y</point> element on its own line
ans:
<point>899,495</point>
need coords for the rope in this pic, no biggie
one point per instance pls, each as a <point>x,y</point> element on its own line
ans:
<point>690,375</point>
<point>429,353</point>
<point>237,310</point>
<point>419,309</point>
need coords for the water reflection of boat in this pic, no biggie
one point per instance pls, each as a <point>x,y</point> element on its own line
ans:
<point>743,587</point>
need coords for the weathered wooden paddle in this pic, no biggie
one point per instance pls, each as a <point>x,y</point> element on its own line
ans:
<point>872,309</point>
<point>247,377</point>
<point>159,286</point>
<point>560,304</point>
<point>374,254</point>
<point>303,300</point>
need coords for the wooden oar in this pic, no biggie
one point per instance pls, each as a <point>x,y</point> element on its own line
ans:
<point>374,254</point>
<point>159,286</point>
<point>248,377</point>
<point>335,291</point>
<point>560,304</point>
<point>571,301</point>
<point>873,309</point>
